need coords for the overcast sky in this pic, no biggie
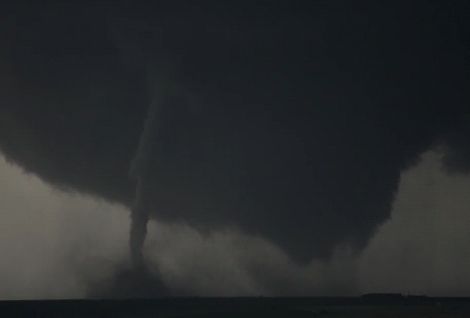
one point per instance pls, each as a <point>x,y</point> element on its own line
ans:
<point>276,148</point>
<point>59,245</point>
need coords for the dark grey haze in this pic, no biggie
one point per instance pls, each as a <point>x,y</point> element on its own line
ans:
<point>289,121</point>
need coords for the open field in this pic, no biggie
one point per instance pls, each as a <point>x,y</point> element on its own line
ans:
<point>243,307</point>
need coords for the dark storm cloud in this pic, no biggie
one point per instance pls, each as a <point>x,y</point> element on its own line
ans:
<point>291,123</point>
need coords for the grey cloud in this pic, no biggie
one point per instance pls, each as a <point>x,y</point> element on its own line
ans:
<point>295,130</point>
<point>64,245</point>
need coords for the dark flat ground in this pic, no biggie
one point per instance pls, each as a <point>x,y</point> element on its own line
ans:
<point>369,306</point>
